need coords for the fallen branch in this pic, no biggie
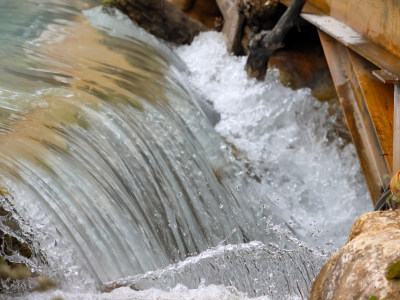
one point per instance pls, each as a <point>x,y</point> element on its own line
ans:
<point>265,43</point>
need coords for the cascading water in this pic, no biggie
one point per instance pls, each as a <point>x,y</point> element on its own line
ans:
<point>110,169</point>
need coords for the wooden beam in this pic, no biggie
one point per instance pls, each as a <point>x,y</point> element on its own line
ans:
<point>378,101</point>
<point>385,76</point>
<point>357,41</point>
<point>396,129</point>
<point>351,96</point>
<point>389,78</point>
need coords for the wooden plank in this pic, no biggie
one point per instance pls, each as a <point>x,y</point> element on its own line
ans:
<point>351,97</point>
<point>355,40</point>
<point>396,129</point>
<point>378,98</point>
<point>377,20</point>
<point>386,77</point>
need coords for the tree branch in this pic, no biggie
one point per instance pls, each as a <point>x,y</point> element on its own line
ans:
<point>265,43</point>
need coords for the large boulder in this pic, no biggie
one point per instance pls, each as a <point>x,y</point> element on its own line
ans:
<point>368,266</point>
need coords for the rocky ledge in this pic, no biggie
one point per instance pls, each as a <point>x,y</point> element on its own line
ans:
<point>368,266</point>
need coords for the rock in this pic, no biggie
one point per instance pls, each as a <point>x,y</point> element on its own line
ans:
<point>44,284</point>
<point>15,275</point>
<point>302,64</point>
<point>368,265</point>
<point>11,247</point>
<point>160,18</point>
<point>13,271</point>
<point>204,11</point>
<point>183,5</point>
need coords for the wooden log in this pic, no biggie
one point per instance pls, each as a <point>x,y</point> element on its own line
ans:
<point>160,18</point>
<point>233,24</point>
<point>265,43</point>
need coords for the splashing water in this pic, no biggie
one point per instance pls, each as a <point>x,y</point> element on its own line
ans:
<point>286,139</point>
<point>114,171</point>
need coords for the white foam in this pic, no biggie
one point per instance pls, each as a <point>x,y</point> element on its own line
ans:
<point>180,292</point>
<point>286,138</point>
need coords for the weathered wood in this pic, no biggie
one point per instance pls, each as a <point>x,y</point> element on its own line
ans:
<point>377,20</point>
<point>378,98</point>
<point>259,12</point>
<point>391,79</point>
<point>370,47</point>
<point>233,23</point>
<point>258,15</point>
<point>265,43</point>
<point>396,129</point>
<point>347,85</point>
<point>386,77</point>
<point>160,18</point>
<point>377,43</point>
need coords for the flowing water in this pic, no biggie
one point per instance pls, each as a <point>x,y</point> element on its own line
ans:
<point>113,176</point>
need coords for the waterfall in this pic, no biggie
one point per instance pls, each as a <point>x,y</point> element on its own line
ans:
<point>114,174</point>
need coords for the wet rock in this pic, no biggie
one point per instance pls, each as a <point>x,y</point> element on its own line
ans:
<point>10,245</point>
<point>368,265</point>
<point>204,11</point>
<point>13,250</point>
<point>13,271</point>
<point>45,284</point>
<point>302,64</point>
<point>183,5</point>
<point>160,18</point>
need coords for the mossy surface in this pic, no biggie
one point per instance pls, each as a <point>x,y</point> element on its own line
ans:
<point>108,3</point>
<point>393,272</point>
<point>112,3</point>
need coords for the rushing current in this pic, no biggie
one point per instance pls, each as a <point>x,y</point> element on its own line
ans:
<point>112,172</point>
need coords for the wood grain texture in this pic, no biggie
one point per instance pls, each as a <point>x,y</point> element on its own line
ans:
<point>378,98</point>
<point>373,49</point>
<point>385,76</point>
<point>378,20</point>
<point>358,119</point>
<point>396,129</point>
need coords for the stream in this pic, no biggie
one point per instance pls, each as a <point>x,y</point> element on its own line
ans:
<point>160,171</point>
